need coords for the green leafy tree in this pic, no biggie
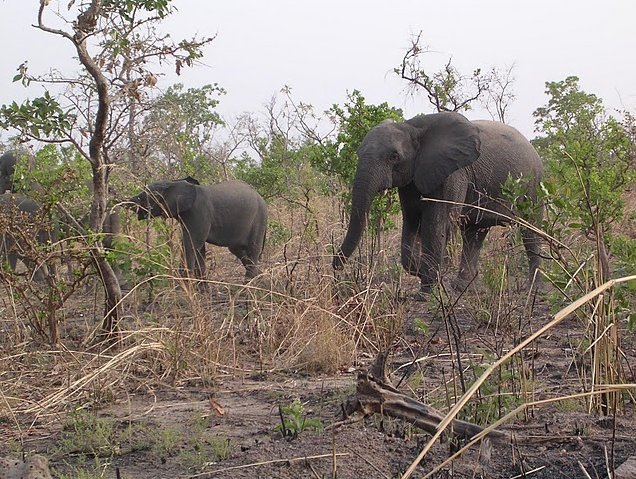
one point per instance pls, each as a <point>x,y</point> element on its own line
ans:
<point>61,175</point>
<point>590,163</point>
<point>339,157</point>
<point>283,170</point>
<point>284,149</point>
<point>117,45</point>
<point>178,130</point>
<point>279,165</point>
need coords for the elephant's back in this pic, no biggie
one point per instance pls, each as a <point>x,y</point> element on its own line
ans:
<point>237,213</point>
<point>505,153</point>
<point>506,146</point>
<point>235,197</point>
<point>21,202</point>
<point>235,192</point>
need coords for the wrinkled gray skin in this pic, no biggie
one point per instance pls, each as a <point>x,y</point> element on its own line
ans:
<point>442,156</point>
<point>230,214</point>
<point>11,246</point>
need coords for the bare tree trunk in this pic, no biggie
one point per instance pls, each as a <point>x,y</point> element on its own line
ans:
<point>99,163</point>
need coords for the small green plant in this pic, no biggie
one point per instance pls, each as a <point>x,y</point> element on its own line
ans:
<point>277,233</point>
<point>205,451</point>
<point>416,380</point>
<point>165,442</point>
<point>294,420</point>
<point>570,405</point>
<point>497,396</point>
<point>420,326</point>
<point>81,474</point>
<point>85,433</point>
<point>84,470</point>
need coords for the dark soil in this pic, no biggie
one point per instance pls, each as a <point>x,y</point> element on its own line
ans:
<point>230,430</point>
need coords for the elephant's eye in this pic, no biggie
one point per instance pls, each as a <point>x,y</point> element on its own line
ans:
<point>394,157</point>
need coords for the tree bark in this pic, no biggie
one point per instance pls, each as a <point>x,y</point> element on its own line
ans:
<point>85,24</point>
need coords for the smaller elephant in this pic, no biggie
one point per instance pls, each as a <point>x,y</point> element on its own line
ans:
<point>21,213</point>
<point>112,221</point>
<point>7,169</point>
<point>230,214</point>
<point>8,162</point>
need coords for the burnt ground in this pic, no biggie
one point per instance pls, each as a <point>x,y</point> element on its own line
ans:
<point>231,428</point>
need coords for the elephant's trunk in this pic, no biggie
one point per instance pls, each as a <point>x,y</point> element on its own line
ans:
<point>366,186</point>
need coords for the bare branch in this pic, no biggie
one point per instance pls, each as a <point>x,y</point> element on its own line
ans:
<point>44,28</point>
<point>447,89</point>
<point>500,94</point>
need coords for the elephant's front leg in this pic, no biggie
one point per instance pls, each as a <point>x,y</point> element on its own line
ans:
<point>473,237</point>
<point>410,249</point>
<point>411,217</point>
<point>194,250</point>
<point>433,232</point>
<point>423,238</point>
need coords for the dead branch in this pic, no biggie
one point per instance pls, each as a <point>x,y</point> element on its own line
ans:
<point>376,395</point>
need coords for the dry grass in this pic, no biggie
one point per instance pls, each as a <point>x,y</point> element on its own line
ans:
<point>296,317</point>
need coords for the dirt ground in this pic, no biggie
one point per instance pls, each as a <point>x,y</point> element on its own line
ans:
<point>231,428</point>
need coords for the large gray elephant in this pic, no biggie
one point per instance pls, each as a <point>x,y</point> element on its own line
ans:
<point>442,156</point>
<point>21,215</point>
<point>230,214</point>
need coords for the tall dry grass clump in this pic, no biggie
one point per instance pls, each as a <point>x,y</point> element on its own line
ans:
<point>175,331</point>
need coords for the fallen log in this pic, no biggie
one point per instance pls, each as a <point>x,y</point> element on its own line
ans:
<point>376,395</point>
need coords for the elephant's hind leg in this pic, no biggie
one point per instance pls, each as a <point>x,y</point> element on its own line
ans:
<point>199,265</point>
<point>473,237</point>
<point>532,244</point>
<point>249,259</point>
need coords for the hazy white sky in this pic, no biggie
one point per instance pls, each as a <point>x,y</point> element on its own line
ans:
<point>324,49</point>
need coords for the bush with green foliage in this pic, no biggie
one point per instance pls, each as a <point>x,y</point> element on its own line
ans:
<point>589,158</point>
<point>178,129</point>
<point>340,159</point>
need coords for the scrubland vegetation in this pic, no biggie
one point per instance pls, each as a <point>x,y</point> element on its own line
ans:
<point>87,359</point>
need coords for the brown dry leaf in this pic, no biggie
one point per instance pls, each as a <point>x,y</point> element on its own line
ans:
<point>216,407</point>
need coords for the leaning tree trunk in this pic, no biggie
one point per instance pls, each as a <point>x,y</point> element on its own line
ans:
<point>84,27</point>
<point>112,290</point>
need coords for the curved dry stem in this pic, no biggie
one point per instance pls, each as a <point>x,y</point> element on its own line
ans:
<point>558,317</point>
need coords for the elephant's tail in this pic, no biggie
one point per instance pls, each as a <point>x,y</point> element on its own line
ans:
<point>263,245</point>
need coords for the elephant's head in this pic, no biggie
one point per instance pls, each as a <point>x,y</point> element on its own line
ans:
<point>169,199</point>
<point>424,150</point>
<point>7,169</point>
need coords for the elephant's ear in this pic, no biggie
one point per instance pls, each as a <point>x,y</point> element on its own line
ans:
<point>189,179</point>
<point>179,197</point>
<point>449,142</point>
